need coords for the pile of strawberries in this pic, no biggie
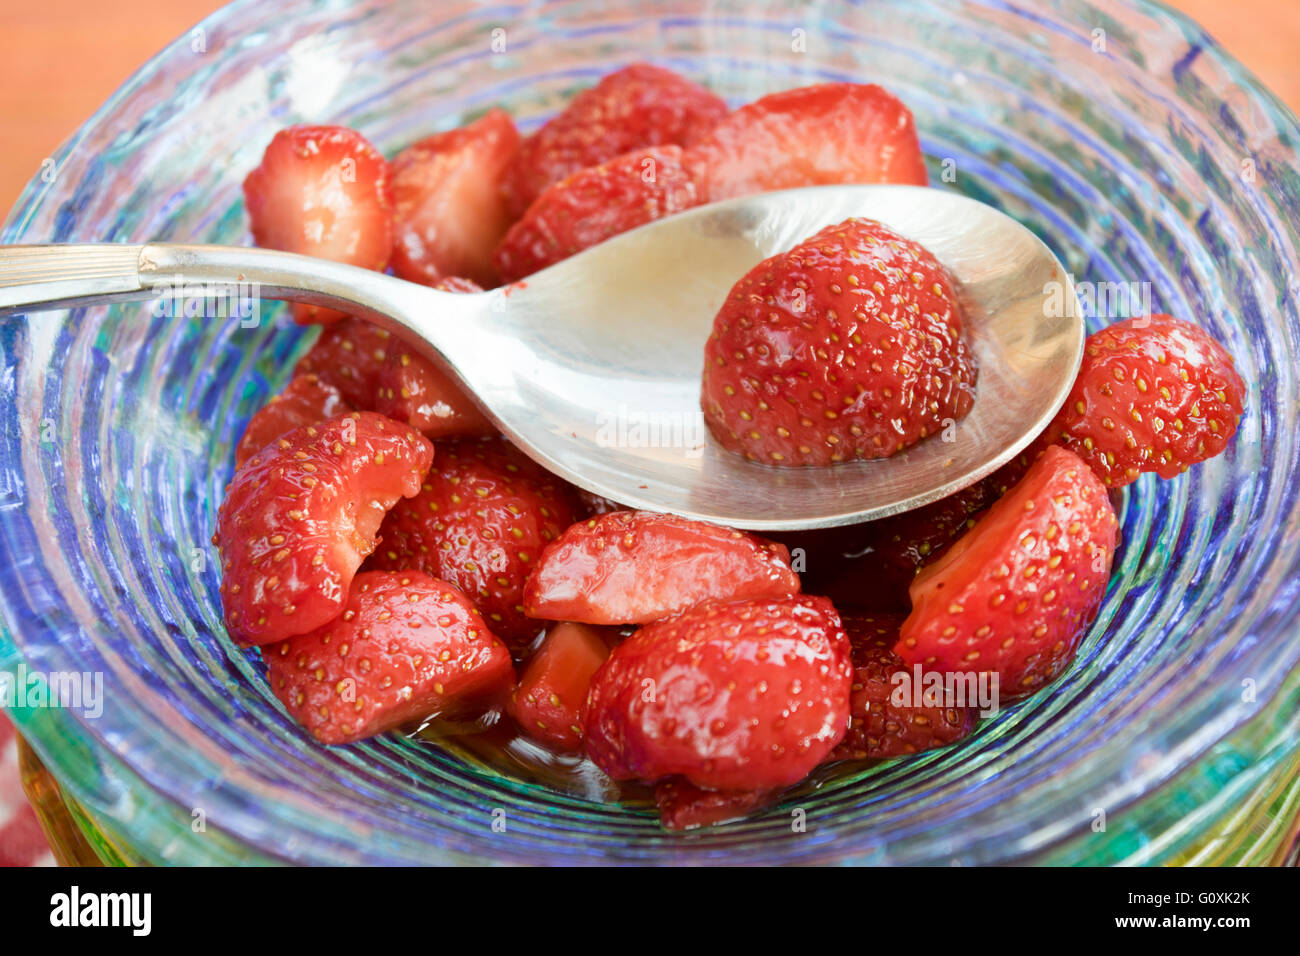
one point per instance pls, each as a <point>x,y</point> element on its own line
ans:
<point>394,558</point>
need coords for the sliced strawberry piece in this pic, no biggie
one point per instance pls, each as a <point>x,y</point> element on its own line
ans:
<point>848,346</point>
<point>412,389</point>
<point>684,806</point>
<point>449,212</point>
<point>306,400</point>
<point>633,567</point>
<point>1016,593</point>
<point>322,191</point>
<point>350,357</point>
<point>301,515</point>
<point>749,695</point>
<point>407,646</point>
<point>818,135</point>
<point>886,720</point>
<point>547,704</point>
<point>1153,394</point>
<point>639,105</point>
<point>592,205</point>
<point>480,521</point>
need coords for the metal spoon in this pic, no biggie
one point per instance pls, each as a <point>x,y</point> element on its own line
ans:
<point>593,365</point>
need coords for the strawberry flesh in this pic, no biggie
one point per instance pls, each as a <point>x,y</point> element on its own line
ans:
<point>322,191</point>
<point>1015,594</point>
<point>594,204</point>
<point>301,515</point>
<point>449,214</point>
<point>829,133</point>
<point>849,346</point>
<point>405,647</point>
<point>349,356</point>
<point>306,400</point>
<point>684,806</point>
<point>637,106</point>
<point>480,521</point>
<point>634,567</point>
<point>747,695</point>
<point>547,704</point>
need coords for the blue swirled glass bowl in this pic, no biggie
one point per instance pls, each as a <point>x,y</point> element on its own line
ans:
<point>1116,130</point>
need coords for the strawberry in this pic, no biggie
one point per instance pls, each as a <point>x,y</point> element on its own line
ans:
<point>1153,394</point>
<point>824,134</point>
<point>633,567</point>
<point>480,521</point>
<point>1016,593</point>
<point>885,721</point>
<point>350,357</point>
<point>639,105</point>
<point>306,400</point>
<point>594,504</point>
<point>684,806</point>
<point>301,515</point>
<point>748,695</point>
<point>593,204</point>
<point>448,211</point>
<point>547,704</point>
<point>848,346</point>
<point>322,191</point>
<point>412,389</point>
<point>406,647</point>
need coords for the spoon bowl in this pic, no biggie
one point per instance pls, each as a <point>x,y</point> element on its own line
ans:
<point>593,365</point>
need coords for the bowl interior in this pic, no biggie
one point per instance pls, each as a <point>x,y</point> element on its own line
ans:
<point>1148,161</point>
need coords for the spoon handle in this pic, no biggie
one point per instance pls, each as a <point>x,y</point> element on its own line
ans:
<point>36,278</point>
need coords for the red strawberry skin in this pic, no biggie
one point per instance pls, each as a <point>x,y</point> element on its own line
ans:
<point>449,214</point>
<point>349,356</point>
<point>301,515</point>
<point>829,133</point>
<point>684,806</point>
<point>322,191</point>
<point>405,647</point>
<point>639,105</point>
<point>547,703</point>
<point>1016,593</point>
<point>1153,394</point>
<point>412,389</point>
<point>879,726</point>
<point>733,696</point>
<point>306,400</point>
<point>480,522</point>
<point>634,567</point>
<point>594,204</point>
<point>849,346</point>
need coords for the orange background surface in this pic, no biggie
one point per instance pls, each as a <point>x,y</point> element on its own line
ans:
<point>59,59</point>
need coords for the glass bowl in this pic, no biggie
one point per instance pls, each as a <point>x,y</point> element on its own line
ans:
<point>1116,130</point>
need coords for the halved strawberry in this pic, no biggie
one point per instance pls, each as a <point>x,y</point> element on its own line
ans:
<point>547,704</point>
<point>322,191</point>
<point>349,356</point>
<point>849,346</point>
<point>748,695</point>
<point>301,515</point>
<point>1017,592</point>
<point>592,205</point>
<point>480,521</point>
<point>406,647</point>
<point>306,400</point>
<point>886,719</point>
<point>448,211</point>
<point>1153,394</point>
<point>633,567</point>
<point>639,105</point>
<point>684,806</point>
<point>816,135</point>
<point>412,389</point>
